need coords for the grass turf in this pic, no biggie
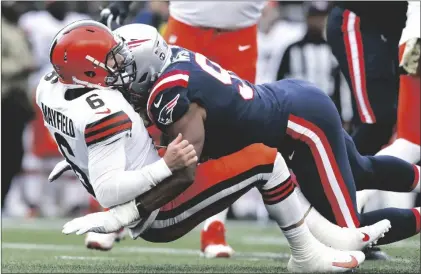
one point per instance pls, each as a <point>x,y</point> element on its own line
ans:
<point>37,246</point>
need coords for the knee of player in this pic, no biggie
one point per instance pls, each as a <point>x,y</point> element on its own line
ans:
<point>279,174</point>
<point>259,153</point>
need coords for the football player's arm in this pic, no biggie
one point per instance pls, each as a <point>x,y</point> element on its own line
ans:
<point>191,126</point>
<point>112,183</point>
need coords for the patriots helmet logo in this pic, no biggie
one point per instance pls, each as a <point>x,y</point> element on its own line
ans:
<point>165,115</point>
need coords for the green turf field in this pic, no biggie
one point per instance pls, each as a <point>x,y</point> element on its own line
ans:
<point>38,246</point>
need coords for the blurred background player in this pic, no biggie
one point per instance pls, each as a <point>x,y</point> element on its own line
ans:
<point>310,58</point>
<point>16,109</point>
<point>277,21</point>
<point>407,143</point>
<point>44,198</point>
<point>364,37</point>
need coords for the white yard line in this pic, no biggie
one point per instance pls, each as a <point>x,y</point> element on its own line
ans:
<point>149,250</point>
<point>83,258</point>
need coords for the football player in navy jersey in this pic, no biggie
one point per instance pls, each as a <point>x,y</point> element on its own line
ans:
<point>220,114</point>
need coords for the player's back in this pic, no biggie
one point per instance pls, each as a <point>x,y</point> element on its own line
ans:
<point>237,112</point>
<point>81,119</point>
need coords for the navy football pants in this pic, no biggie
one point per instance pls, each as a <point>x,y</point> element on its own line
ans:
<point>369,62</point>
<point>329,168</point>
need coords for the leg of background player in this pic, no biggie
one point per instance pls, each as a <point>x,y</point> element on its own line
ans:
<point>386,173</point>
<point>382,172</point>
<point>407,144</point>
<point>374,83</point>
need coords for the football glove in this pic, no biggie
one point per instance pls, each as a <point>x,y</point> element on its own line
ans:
<point>104,222</point>
<point>116,11</point>
<point>411,57</point>
<point>99,222</point>
<point>59,169</point>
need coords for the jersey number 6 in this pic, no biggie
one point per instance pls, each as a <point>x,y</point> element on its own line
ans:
<point>64,145</point>
<point>94,103</point>
<point>224,76</point>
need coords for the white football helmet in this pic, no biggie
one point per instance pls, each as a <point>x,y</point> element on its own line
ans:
<point>152,55</point>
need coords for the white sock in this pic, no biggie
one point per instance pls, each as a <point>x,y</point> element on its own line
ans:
<point>365,196</point>
<point>404,150</point>
<point>301,242</point>
<point>288,213</point>
<point>221,216</point>
<point>279,196</point>
<point>325,231</point>
<point>283,205</point>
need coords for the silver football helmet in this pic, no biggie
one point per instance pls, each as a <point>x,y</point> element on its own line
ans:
<point>151,53</point>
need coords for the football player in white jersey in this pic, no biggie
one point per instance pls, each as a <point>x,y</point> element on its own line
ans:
<point>118,69</point>
<point>102,138</point>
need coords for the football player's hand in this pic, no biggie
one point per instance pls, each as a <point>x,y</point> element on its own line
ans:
<point>411,57</point>
<point>180,154</point>
<point>59,169</point>
<point>116,11</point>
<point>104,222</point>
<point>99,222</point>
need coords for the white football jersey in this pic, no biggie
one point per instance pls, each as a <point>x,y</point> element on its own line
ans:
<point>96,118</point>
<point>217,14</point>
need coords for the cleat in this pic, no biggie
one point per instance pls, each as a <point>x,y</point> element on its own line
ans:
<point>375,254</point>
<point>103,242</point>
<point>371,234</point>
<point>361,238</point>
<point>213,244</point>
<point>121,235</point>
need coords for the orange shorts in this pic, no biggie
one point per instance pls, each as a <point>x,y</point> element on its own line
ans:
<point>234,50</point>
<point>408,125</point>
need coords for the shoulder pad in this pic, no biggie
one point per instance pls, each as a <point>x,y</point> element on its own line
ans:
<point>168,100</point>
<point>109,119</point>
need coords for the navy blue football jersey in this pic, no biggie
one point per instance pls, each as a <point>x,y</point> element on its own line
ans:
<point>238,113</point>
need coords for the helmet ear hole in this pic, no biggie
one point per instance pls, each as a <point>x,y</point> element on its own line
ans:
<point>143,78</point>
<point>90,74</point>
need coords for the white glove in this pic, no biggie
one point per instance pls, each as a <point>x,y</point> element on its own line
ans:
<point>59,169</point>
<point>104,222</point>
<point>411,56</point>
<point>99,222</point>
